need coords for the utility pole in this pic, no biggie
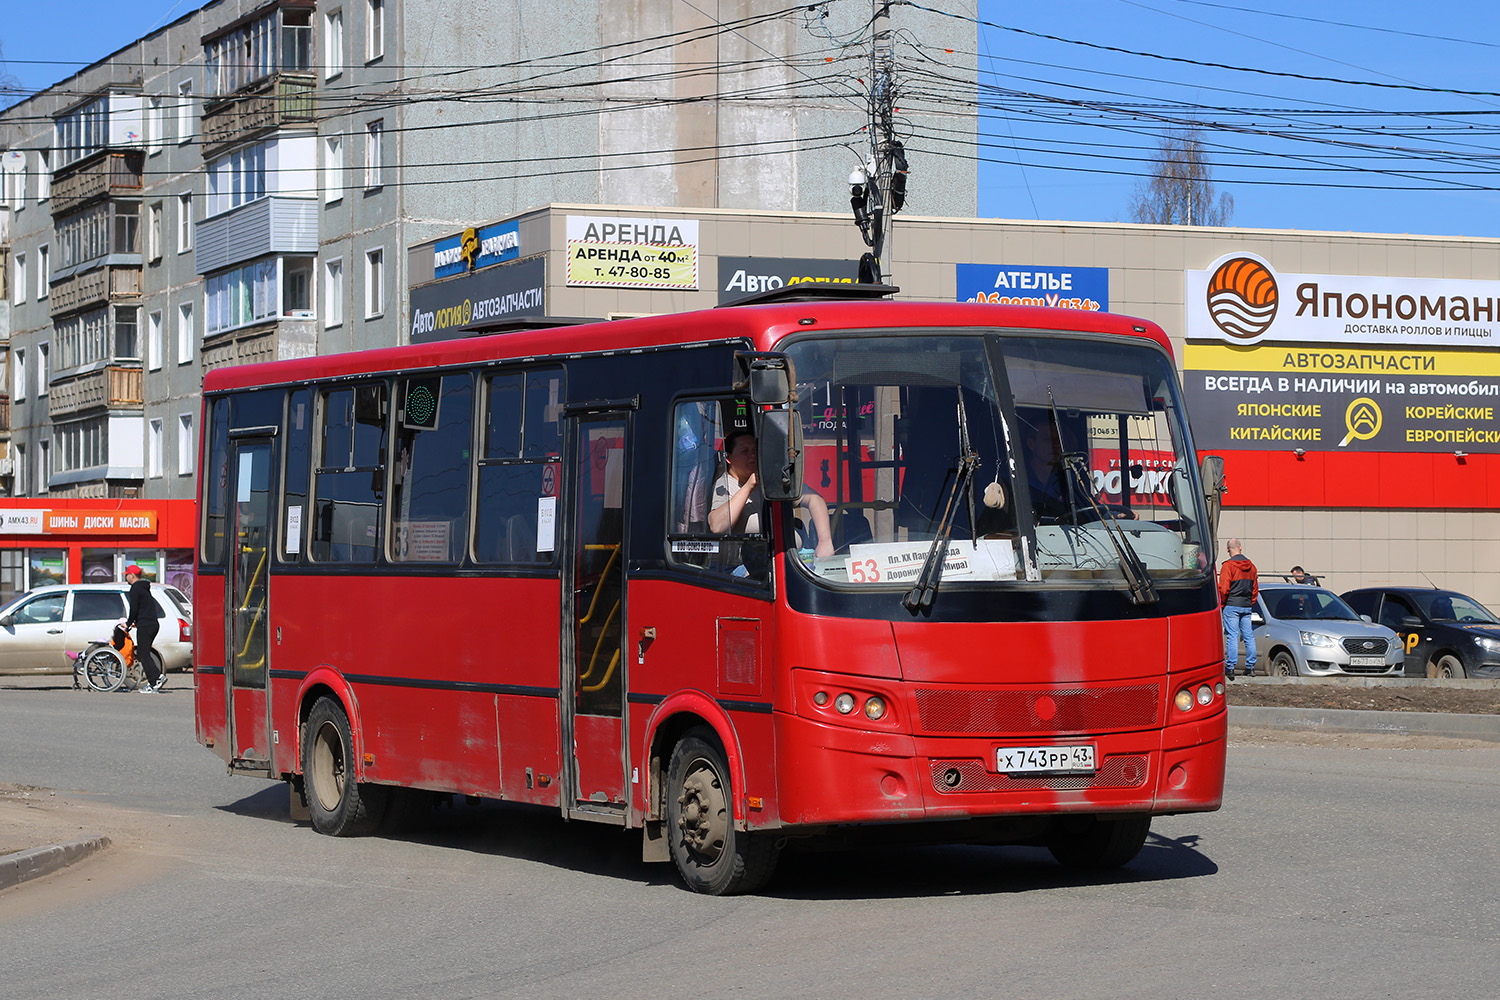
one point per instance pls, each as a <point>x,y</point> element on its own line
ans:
<point>878,188</point>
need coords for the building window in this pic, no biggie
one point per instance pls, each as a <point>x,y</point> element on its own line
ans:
<point>153,450</point>
<point>184,111</point>
<point>184,223</point>
<point>156,126</point>
<point>185,449</point>
<point>374,283</point>
<point>153,232</point>
<point>127,336</point>
<point>333,293</point>
<point>374,30</point>
<point>44,174</point>
<point>374,152</point>
<point>43,465</point>
<point>18,278</point>
<point>296,287</point>
<point>333,43</point>
<point>20,380</point>
<point>20,470</point>
<point>83,338</point>
<point>184,333</point>
<point>236,179</point>
<point>42,374</point>
<point>83,444</point>
<point>84,130</point>
<point>153,341</point>
<point>15,183</point>
<point>241,296</point>
<point>43,270</point>
<point>333,168</point>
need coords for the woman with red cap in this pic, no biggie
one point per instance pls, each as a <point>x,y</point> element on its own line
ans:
<point>142,617</point>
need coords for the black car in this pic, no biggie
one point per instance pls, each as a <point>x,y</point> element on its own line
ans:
<point>1446,634</point>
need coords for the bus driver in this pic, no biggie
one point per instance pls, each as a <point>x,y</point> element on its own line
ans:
<point>738,500</point>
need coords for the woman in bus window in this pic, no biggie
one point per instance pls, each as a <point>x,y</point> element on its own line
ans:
<point>738,500</point>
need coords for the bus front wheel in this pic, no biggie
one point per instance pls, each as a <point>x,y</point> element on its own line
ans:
<point>1099,842</point>
<point>710,854</point>
<point>340,806</point>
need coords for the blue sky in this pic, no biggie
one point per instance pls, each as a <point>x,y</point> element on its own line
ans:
<point>1067,124</point>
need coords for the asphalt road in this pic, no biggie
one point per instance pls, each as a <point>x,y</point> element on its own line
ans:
<point>1357,867</point>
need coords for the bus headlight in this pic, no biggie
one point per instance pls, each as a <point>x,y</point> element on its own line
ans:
<point>1184,700</point>
<point>1205,694</point>
<point>875,707</point>
<point>844,703</point>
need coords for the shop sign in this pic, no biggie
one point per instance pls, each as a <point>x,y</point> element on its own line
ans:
<point>742,276</point>
<point>610,252</point>
<point>1338,399</point>
<point>78,522</point>
<point>476,248</point>
<point>1241,299</point>
<point>458,307</point>
<point>1084,288</point>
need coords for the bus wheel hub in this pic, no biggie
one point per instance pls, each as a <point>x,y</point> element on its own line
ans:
<point>703,817</point>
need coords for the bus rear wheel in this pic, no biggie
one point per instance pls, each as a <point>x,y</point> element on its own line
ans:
<point>340,806</point>
<point>710,854</point>
<point>1099,842</point>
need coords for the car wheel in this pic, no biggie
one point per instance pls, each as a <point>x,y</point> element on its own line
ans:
<point>1446,666</point>
<point>1283,665</point>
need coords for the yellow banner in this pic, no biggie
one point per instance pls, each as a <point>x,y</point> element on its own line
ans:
<point>632,265</point>
<point>1342,361</point>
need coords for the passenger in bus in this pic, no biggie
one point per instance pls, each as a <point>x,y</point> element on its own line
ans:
<point>738,501</point>
<point>1044,472</point>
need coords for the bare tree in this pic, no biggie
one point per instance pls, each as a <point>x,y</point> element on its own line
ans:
<point>1180,190</point>
<point>10,87</point>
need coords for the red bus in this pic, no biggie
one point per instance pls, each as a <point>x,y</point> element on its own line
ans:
<point>974,602</point>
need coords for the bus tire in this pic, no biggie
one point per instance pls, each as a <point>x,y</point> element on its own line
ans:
<point>1446,666</point>
<point>340,806</point>
<point>710,854</point>
<point>1100,842</point>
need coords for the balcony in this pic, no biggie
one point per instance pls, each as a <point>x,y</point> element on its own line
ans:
<point>276,224</point>
<point>94,288</point>
<point>110,174</point>
<point>114,388</point>
<point>275,341</point>
<point>279,100</point>
<point>4,416</point>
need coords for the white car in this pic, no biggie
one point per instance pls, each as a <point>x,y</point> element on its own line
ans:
<point>40,628</point>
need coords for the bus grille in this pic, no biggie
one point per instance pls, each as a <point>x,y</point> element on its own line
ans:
<point>945,710</point>
<point>1365,647</point>
<point>1123,771</point>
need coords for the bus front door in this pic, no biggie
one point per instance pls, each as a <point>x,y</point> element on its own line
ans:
<point>593,616</point>
<point>249,718</point>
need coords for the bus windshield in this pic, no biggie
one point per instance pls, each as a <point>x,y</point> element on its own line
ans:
<point>1039,458</point>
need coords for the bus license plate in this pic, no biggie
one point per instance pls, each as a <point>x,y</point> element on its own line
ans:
<point>1366,661</point>
<point>1046,760</point>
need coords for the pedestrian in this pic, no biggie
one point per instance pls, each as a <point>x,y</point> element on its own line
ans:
<point>1300,575</point>
<point>142,617</point>
<point>1238,589</point>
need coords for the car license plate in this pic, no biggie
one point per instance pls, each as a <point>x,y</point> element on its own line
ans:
<point>1366,661</point>
<point>1046,760</point>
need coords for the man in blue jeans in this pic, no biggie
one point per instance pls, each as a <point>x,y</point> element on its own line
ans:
<point>1239,586</point>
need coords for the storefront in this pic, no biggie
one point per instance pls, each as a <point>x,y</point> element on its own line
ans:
<point>92,541</point>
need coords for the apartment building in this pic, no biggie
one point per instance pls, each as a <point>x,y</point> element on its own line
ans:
<point>241,184</point>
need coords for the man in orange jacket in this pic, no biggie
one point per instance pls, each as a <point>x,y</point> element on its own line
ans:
<point>1239,586</point>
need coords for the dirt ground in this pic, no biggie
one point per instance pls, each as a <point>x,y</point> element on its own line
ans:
<point>1403,698</point>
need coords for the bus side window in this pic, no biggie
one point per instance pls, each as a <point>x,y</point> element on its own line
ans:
<point>215,498</point>
<point>298,459</point>
<point>697,466</point>
<point>350,476</point>
<point>430,479</point>
<point>518,465</point>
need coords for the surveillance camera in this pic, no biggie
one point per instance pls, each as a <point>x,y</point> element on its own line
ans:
<point>858,176</point>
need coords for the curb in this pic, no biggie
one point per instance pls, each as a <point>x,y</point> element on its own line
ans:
<point>26,865</point>
<point>1467,727</point>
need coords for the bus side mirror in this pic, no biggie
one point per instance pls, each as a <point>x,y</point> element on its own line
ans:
<point>765,377</point>
<point>1211,475</point>
<point>778,442</point>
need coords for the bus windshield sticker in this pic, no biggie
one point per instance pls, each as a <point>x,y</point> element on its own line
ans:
<point>694,545</point>
<point>901,562</point>
<point>546,523</point>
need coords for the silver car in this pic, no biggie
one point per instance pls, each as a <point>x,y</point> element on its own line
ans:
<point>1311,632</point>
<point>41,627</point>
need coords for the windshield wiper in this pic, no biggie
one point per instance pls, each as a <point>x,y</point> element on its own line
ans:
<point>919,598</point>
<point>1142,590</point>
